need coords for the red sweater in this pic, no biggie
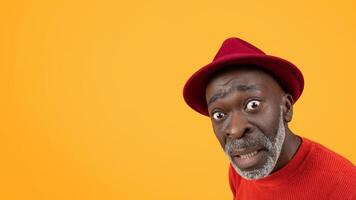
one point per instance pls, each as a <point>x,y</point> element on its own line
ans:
<point>314,172</point>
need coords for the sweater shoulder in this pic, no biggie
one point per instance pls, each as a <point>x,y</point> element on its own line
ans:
<point>325,157</point>
<point>332,168</point>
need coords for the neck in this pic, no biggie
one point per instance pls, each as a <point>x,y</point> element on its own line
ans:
<point>290,147</point>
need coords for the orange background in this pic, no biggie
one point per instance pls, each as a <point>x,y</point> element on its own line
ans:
<point>91,104</point>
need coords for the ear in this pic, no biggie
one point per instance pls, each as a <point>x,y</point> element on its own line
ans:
<point>287,107</point>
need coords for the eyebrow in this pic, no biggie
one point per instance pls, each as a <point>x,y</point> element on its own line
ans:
<point>222,93</point>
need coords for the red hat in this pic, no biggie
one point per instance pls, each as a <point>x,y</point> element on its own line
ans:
<point>238,52</point>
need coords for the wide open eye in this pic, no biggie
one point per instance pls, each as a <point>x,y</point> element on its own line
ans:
<point>218,115</point>
<point>253,105</point>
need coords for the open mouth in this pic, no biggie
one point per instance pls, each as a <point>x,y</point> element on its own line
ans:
<point>248,155</point>
<point>250,159</point>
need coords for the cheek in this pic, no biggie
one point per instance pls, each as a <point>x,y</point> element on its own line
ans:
<point>268,122</point>
<point>219,134</point>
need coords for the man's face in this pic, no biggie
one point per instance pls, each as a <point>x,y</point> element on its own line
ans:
<point>245,107</point>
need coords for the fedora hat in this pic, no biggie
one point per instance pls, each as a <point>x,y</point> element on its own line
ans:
<point>235,52</point>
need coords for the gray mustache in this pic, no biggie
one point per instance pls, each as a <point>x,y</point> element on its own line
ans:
<point>247,142</point>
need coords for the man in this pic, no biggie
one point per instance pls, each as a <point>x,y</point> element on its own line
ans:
<point>249,98</point>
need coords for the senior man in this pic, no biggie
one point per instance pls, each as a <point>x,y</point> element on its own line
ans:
<point>249,98</point>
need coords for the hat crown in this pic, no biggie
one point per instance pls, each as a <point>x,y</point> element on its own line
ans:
<point>233,46</point>
<point>235,52</point>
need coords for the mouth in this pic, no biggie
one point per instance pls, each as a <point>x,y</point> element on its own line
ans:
<point>247,152</point>
<point>248,155</point>
<point>249,158</point>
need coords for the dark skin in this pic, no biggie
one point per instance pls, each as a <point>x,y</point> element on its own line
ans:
<point>243,101</point>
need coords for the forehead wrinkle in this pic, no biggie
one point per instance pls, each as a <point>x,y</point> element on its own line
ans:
<point>221,93</point>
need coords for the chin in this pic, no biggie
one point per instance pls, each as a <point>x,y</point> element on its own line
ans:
<point>257,167</point>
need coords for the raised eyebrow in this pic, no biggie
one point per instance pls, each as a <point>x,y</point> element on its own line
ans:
<point>222,93</point>
<point>218,95</point>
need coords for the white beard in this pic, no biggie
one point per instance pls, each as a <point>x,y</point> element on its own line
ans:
<point>274,150</point>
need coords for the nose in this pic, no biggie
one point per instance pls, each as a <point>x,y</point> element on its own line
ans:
<point>238,126</point>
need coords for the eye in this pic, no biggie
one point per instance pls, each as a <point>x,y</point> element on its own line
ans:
<point>253,105</point>
<point>218,115</point>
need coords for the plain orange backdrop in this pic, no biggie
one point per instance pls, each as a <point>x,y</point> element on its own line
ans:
<point>91,91</point>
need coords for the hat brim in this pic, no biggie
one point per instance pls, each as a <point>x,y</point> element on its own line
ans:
<point>289,76</point>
